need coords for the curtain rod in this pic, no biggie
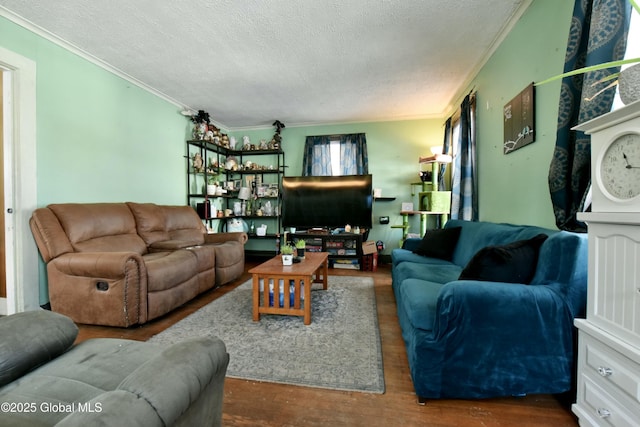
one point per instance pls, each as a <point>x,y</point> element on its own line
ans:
<point>338,135</point>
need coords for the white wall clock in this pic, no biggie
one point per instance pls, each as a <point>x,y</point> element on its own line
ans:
<point>619,168</point>
<point>615,159</point>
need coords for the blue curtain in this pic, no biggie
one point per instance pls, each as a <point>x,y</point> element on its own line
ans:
<point>353,154</point>
<point>316,159</point>
<point>464,196</point>
<point>446,149</point>
<point>597,35</point>
<point>354,160</point>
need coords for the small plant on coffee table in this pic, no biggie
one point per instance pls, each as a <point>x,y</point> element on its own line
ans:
<point>300,246</point>
<point>286,251</point>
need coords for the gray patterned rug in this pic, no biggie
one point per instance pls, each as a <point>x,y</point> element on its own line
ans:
<point>339,350</point>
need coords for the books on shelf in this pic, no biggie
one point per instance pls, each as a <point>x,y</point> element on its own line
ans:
<point>349,264</point>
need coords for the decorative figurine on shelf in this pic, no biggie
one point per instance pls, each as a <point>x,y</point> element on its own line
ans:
<point>224,141</point>
<point>198,163</point>
<point>263,145</point>
<point>201,121</point>
<point>276,141</point>
<point>246,142</point>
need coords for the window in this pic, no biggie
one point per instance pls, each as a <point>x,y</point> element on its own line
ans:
<point>334,149</point>
<point>335,155</point>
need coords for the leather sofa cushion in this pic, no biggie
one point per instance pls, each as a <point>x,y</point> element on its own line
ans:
<point>150,222</point>
<point>228,253</point>
<point>205,256</point>
<point>165,270</point>
<point>30,339</point>
<point>99,227</point>
<point>183,223</point>
<point>167,227</point>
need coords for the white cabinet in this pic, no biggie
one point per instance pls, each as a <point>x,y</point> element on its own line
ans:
<point>609,337</point>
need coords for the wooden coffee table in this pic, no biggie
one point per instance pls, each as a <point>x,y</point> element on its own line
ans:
<point>312,269</point>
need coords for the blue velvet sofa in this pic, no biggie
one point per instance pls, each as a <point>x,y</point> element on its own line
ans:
<point>479,339</point>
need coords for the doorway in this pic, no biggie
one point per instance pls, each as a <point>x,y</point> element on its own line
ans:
<point>18,189</point>
<point>3,270</point>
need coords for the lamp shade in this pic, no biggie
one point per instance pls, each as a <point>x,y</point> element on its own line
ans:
<point>244,193</point>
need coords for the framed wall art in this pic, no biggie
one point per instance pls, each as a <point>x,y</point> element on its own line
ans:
<point>519,120</point>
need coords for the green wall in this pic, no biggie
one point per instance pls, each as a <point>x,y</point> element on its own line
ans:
<point>101,138</point>
<point>393,149</point>
<point>513,187</point>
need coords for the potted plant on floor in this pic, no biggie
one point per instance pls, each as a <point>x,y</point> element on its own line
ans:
<point>301,244</point>
<point>287,254</point>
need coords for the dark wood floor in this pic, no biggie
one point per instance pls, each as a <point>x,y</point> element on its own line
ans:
<point>250,403</point>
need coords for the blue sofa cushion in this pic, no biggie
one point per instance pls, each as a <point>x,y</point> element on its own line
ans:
<point>515,262</point>
<point>439,243</point>
<point>419,298</point>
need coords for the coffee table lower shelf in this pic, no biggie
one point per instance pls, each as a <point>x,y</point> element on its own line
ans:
<point>274,284</point>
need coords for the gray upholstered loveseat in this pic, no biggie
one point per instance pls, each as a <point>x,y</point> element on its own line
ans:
<point>121,264</point>
<point>45,380</point>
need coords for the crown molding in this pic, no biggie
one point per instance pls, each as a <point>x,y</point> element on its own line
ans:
<point>49,36</point>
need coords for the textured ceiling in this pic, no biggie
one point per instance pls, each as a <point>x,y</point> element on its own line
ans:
<point>250,62</point>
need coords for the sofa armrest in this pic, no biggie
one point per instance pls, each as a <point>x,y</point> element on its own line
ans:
<point>188,368</point>
<point>109,265</point>
<point>114,408</point>
<point>100,288</point>
<point>496,339</point>
<point>30,339</point>
<point>226,237</point>
<point>184,383</point>
<point>494,308</point>
<point>504,327</point>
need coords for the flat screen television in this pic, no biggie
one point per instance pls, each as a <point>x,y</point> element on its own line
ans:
<point>327,201</point>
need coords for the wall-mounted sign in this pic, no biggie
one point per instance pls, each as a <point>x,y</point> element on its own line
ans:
<point>519,120</point>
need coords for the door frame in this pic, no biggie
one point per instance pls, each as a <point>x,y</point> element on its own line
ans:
<point>20,190</point>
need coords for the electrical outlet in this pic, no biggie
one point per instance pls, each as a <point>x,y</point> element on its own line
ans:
<point>384,220</point>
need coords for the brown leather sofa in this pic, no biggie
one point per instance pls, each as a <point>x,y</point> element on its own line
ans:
<point>121,264</point>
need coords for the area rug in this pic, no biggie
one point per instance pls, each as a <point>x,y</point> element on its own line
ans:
<point>339,350</point>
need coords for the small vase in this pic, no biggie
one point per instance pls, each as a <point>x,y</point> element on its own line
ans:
<point>287,259</point>
<point>629,84</point>
<point>211,189</point>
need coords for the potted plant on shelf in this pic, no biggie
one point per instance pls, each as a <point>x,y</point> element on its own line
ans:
<point>287,254</point>
<point>628,80</point>
<point>212,185</point>
<point>300,246</point>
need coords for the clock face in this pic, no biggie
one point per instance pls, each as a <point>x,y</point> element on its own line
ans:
<point>620,167</point>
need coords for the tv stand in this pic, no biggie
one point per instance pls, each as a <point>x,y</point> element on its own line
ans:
<point>345,249</point>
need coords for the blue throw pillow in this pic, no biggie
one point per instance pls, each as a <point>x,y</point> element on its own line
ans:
<point>439,243</point>
<point>512,263</point>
